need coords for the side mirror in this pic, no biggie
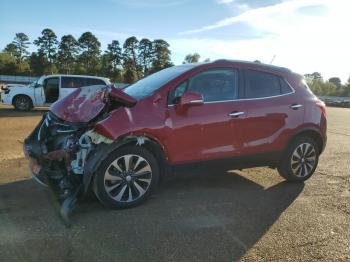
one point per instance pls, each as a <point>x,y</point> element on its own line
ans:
<point>191,98</point>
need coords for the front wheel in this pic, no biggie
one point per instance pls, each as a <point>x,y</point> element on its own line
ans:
<point>126,178</point>
<point>300,160</point>
<point>22,103</point>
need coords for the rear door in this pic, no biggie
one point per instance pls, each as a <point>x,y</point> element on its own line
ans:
<point>272,112</point>
<point>206,131</point>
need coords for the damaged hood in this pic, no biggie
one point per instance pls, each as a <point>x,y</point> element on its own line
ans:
<point>85,103</point>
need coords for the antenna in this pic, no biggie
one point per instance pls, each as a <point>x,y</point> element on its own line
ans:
<point>273,58</point>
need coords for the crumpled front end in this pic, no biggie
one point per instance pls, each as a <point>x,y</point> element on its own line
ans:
<point>56,151</point>
<point>58,148</point>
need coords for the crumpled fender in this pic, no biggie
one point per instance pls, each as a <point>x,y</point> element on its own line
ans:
<point>119,122</point>
<point>124,125</point>
<point>125,121</point>
<point>97,155</point>
<point>118,95</point>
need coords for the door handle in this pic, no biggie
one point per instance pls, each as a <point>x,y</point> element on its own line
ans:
<point>295,106</point>
<point>235,114</point>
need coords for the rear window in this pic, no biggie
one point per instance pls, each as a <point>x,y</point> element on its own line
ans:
<point>94,81</point>
<point>76,82</point>
<point>261,84</point>
<point>73,82</point>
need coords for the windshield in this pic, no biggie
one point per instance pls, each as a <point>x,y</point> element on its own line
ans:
<point>148,85</point>
<point>37,82</point>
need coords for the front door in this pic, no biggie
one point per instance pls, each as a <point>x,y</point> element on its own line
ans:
<point>51,89</point>
<point>210,130</point>
<point>39,95</point>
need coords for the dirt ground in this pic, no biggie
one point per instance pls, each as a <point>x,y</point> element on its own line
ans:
<point>247,215</point>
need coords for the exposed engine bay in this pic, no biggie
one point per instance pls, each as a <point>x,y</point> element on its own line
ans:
<point>60,145</point>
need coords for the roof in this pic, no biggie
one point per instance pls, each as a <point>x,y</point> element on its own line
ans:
<point>98,77</point>
<point>255,64</point>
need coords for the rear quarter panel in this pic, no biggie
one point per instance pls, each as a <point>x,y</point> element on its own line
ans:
<point>313,116</point>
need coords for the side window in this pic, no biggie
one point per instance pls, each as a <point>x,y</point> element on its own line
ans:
<point>176,93</point>
<point>94,81</point>
<point>73,82</point>
<point>52,82</point>
<point>285,88</point>
<point>215,85</point>
<point>261,84</point>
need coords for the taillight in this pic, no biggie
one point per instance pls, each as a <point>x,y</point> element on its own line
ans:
<point>322,106</point>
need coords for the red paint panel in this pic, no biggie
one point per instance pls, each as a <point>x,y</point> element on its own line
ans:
<point>270,123</point>
<point>118,95</point>
<point>202,131</point>
<point>82,105</point>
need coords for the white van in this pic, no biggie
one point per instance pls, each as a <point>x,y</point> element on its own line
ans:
<point>47,89</point>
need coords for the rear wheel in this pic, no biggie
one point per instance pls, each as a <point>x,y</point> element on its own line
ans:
<point>23,103</point>
<point>126,178</point>
<point>300,160</point>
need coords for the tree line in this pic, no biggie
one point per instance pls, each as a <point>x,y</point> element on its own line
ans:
<point>331,87</point>
<point>126,63</point>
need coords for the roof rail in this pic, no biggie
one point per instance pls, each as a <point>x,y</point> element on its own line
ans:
<point>268,66</point>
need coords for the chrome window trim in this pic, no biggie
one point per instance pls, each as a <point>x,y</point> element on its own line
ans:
<point>196,101</point>
<point>248,99</point>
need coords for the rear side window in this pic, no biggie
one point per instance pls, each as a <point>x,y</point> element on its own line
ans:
<point>73,82</point>
<point>94,81</point>
<point>261,84</point>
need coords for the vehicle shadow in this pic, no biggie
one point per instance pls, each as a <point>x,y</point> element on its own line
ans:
<point>11,112</point>
<point>202,216</point>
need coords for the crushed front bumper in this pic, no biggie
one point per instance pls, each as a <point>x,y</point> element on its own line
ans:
<point>50,149</point>
<point>31,150</point>
<point>35,169</point>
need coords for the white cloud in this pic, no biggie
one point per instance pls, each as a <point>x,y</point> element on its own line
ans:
<point>150,3</point>
<point>257,15</point>
<point>304,43</point>
<point>225,1</point>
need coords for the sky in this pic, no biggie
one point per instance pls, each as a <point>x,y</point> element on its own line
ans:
<point>303,35</point>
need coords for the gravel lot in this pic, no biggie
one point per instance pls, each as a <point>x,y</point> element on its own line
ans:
<point>207,215</point>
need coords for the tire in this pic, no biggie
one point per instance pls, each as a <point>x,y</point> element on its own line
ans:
<point>22,103</point>
<point>118,185</point>
<point>300,160</point>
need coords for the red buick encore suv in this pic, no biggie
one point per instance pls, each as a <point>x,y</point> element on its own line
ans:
<point>234,114</point>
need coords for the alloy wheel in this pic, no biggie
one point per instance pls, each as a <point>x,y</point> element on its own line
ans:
<point>127,178</point>
<point>303,160</point>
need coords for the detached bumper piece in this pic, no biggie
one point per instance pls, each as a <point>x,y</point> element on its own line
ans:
<point>50,149</point>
